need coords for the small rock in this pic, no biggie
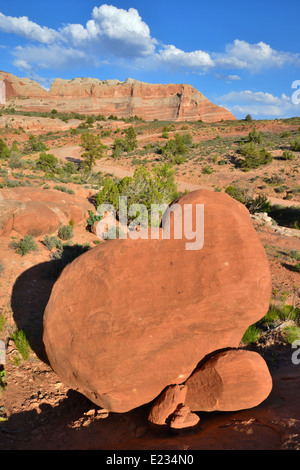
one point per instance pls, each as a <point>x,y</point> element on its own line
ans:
<point>166,404</point>
<point>102,413</point>
<point>183,418</point>
<point>58,385</point>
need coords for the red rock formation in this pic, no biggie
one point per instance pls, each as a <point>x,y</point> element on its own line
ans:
<point>35,211</point>
<point>21,87</point>
<point>123,99</point>
<point>230,381</point>
<point>131,317</point>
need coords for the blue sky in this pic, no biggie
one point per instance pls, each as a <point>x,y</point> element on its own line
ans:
<point>242,55</point>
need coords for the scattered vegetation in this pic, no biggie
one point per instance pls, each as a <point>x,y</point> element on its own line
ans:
<point>2,380</point>
<point>128,144</point>
<point>22,344</point>
<point>255,136</point>
<point>295,144</point>
<point>93,150</point>
<point>281,318</point>
<point>34,144</point>
<point>145,187</point>
<point>65,232</point>
<point>251,335</point>
<point>245,196</point>
<point>253,156</point>
<point>25,245</point>
<point>287,155</point>
<point>47,162</point>
<point>52,242</point>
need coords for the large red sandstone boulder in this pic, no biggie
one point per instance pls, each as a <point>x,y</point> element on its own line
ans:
<point>131,317</point>
<point>36,211</point>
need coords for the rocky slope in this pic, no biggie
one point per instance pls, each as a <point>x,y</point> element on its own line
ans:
<point>124,99</point>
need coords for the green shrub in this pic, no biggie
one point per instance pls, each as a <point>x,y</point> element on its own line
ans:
<point>295,144</point>
<point>144,187</point>
<point>278,311</point>
<point>179,159</point>
<point>165,132</point>
<point>2,380</point>
<point>179,146</point>
<point>52,242</point>
<point>70,168</point>
<point>297,267</point>
<point>16,162</point>
<point>248,118</point>
<point>130,139</point>
<point>291,333</point>
<point>25,245</point>
<point>254,204</point>
<point>93,218</point>
<point>21,343</point>
<point>47,162</point>
<point>207,170</point>
<point>253,156</point>
<point>93,150</point>
<point>288,155</point>
<point>2,321</point>
<point>274,180</point>
<point>35,145</point>
<point>65,232</point>
<point>64,189</point>
<point>255,136</point>
<point>4,150</point>
<point>251,335</point>
<point>119,147</point>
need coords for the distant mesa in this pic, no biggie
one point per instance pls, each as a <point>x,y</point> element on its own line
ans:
<point>172,102</point>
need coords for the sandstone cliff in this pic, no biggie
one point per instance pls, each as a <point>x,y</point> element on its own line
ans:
<point>21,87</point>
<point>111,97</point>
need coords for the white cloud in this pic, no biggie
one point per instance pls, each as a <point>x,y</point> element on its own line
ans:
<point>114,33</point>
<point>254,57</point>
<point>22,64</point>
<point>227,78</point>
<point>74,33</point>
<point>56,57</point>
<point>22,26</point>
<point>248,96</point>
<point>259,104</point>
<point>195,59</point>
<point>114,30</point>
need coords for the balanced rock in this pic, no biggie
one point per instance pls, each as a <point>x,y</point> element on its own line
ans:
<point>131,317</point>
<point>36,211</point>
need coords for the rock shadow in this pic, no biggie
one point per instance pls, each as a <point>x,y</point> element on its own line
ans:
<point>32,291</point>
<point>71,424</point>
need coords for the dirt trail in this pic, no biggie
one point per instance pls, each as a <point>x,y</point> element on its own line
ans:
<point>74,152</point>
